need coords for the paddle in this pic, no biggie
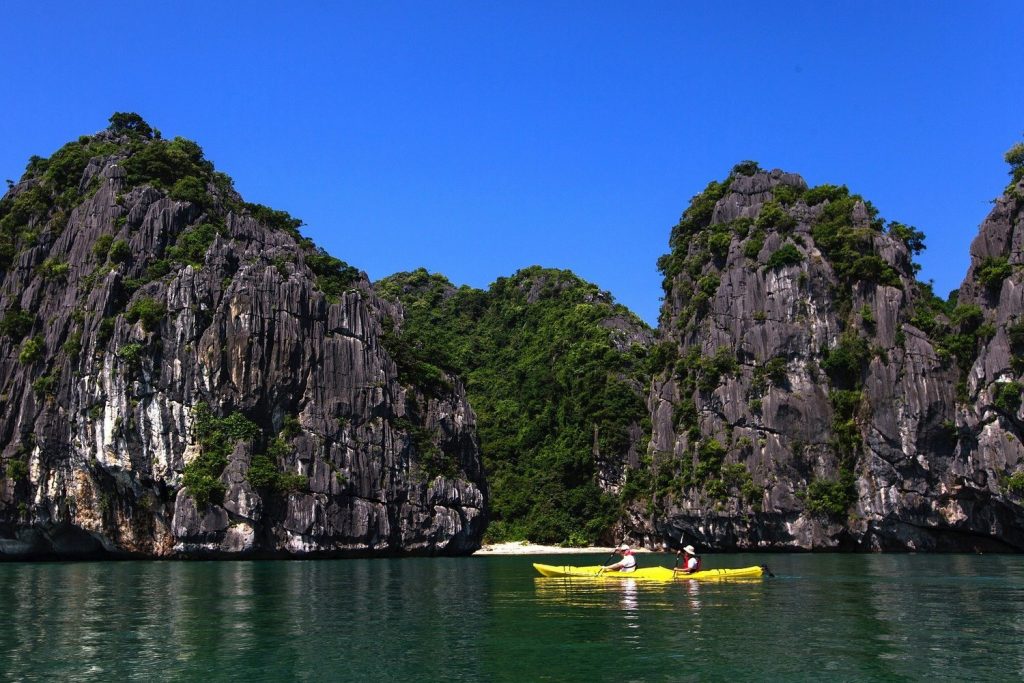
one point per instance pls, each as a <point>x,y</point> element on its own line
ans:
<point>607,560</point>
<point>676,563</point>
<point>767,571</point>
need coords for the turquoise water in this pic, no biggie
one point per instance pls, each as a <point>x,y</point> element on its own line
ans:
<point>844,617</point>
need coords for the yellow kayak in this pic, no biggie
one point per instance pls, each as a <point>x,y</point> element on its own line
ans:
<point>648,573</point>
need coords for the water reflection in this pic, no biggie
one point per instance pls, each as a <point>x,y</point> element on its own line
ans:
<point>628,595</point>
<point>693,590</point>
<point>861,617</point>
<point>267,620</point>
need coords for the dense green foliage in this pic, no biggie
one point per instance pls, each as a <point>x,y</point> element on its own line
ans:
<point>787,195</point>
<point>992,271</point>
<point>844,364</point>
<point>44,385</point>
<point>162,163</point>
<point>1015,158</point>
<point>16,469</point>
<point>101,247</point>
<point>773,217</point>
<point>265,475</point>
<point>828,497</point>
<point>547,383</point>
<point>773,370</point>
<point>786,255</point>
<point>31,350</point>
<point>119,252</point>
<point>274,219</point>
<point>130,123</point>
<point>216,438</point>
<point>192,244</point>
<point>752,247</point>
<point>911,237</point>
<point>696,218</point>
<point>16,323</point>
<point>52,269</point>
<point>957,330</point>
<point>189,189</point>
<point>1006,396</point>
<point>147,310</point>
<point>746,168</point>
<point>848,245</point>
<point>51,187</point>
<point>333,276</point>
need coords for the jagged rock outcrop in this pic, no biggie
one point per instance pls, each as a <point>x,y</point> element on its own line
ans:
<point>183,375</point>
<point>809,396</point>
<point>990,420</point>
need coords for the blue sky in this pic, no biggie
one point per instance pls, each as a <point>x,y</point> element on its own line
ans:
<point>477,138</point>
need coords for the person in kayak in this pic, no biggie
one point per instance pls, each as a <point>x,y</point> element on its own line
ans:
<point>691,561</point>
<point>626,564</point>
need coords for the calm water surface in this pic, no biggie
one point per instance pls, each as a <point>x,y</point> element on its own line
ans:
<point>844,617</point>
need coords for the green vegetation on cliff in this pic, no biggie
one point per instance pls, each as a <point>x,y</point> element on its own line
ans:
<point>216,438</point>
<point>1015,158</point>
<point>556,374</point>
<point>796,224</point>
<point>41,202</point>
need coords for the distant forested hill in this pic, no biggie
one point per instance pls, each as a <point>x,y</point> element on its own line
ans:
<point>557,375</point>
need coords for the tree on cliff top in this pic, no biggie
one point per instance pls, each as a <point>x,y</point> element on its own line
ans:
<point>131,123</point>
<point>1015,158</point>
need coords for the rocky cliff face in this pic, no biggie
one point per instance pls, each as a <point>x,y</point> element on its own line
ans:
<point>183,375</point>
<point>989,416</point>
<point>809,392</point>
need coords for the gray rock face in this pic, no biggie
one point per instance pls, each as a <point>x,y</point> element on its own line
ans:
<point>190,378</point>
<point>99,423</point>
<point>989,418</point>
<point>767,440</point>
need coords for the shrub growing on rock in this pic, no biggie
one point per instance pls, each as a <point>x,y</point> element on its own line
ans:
<point>784,256</point>
<point>16,323</point>
<point>1006,396</point>
<point>31,350</point>
<point>992,271</point>
<point>148,310</point>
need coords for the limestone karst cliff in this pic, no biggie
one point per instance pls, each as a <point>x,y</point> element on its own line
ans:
<point>184,375</point>
<point>813,393</point>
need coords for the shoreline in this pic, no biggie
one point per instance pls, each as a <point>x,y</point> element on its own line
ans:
<point>527,548</point>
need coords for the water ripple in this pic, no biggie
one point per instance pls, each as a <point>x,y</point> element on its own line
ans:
<point>471,619</point>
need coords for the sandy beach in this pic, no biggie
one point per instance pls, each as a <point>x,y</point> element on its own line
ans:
<point>526,548</point>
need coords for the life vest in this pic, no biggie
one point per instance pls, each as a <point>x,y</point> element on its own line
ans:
<point>696,568</point>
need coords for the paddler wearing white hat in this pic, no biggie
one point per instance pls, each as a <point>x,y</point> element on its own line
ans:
<point>626,564</point>
<point>691,561</point>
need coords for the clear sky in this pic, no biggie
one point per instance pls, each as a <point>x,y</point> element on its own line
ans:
<point>478,138</point>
